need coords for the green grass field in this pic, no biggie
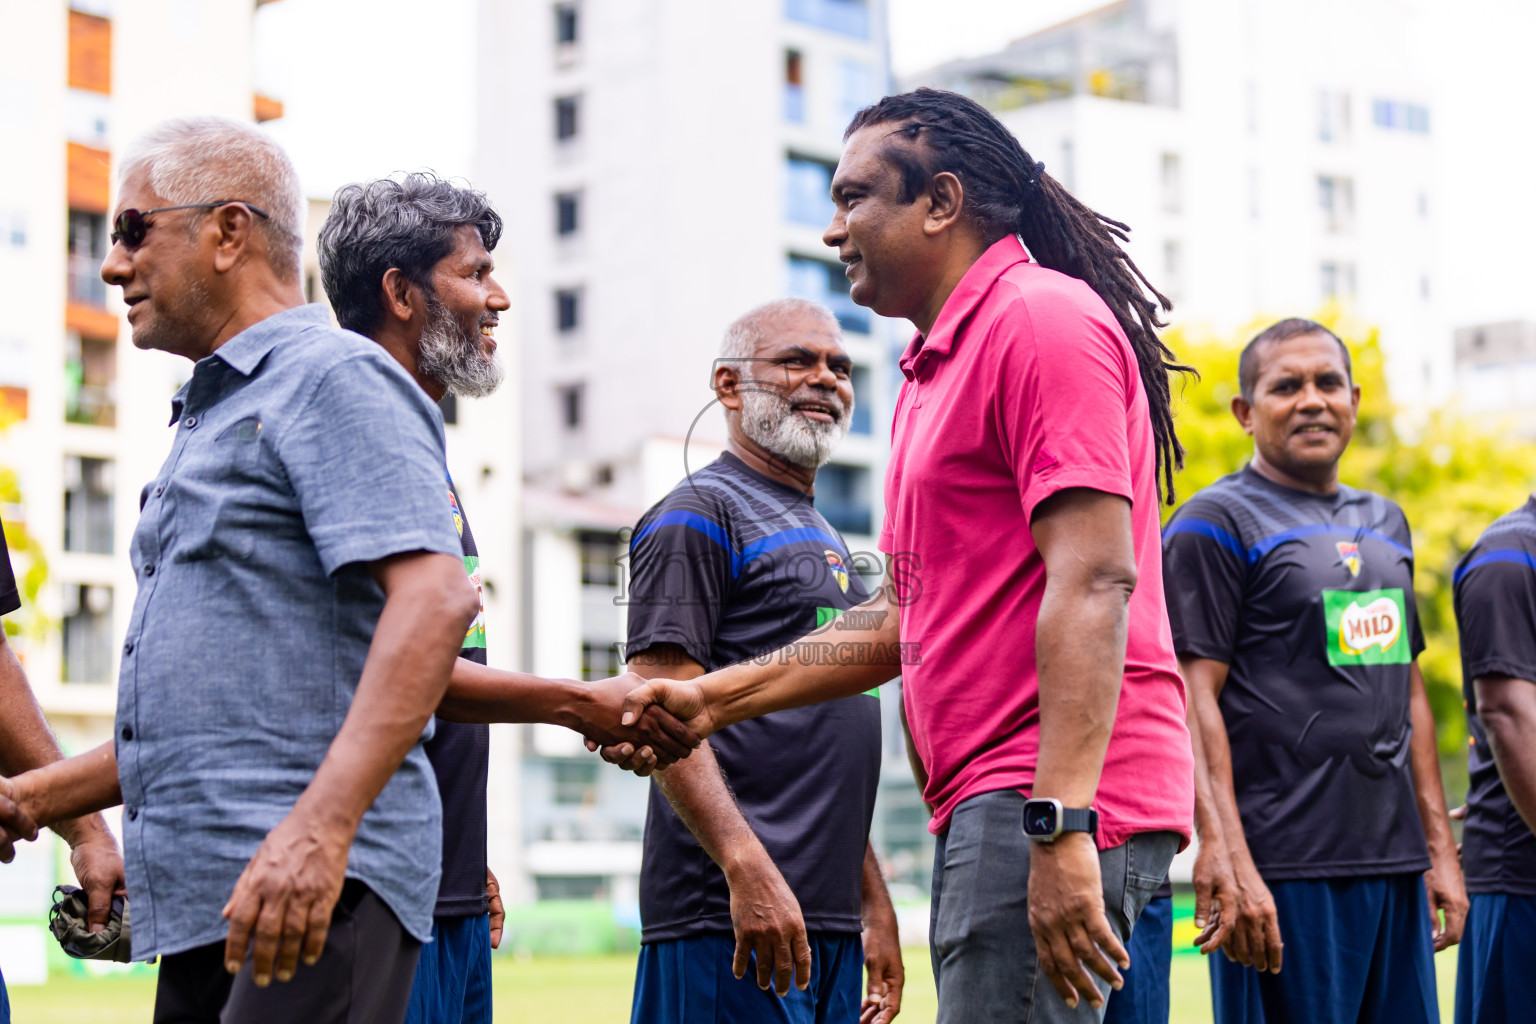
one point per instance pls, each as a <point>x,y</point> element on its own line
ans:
<point>570,990</point>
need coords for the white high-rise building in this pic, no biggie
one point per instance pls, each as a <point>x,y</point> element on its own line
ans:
<point>671,162</point>
<point>1271,157</point>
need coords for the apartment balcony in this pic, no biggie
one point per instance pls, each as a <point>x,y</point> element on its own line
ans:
<point>85,284</point>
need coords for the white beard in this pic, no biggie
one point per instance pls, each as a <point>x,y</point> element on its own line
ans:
<point>453,359</point>
<point>769,420</point>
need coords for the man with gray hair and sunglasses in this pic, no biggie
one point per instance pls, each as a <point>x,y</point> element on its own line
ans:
<point>301,603</point>
<point>757,848</point>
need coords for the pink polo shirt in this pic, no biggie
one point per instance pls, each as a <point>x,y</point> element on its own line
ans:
<point>1025,386</point>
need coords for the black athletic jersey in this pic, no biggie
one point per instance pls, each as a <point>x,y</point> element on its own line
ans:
<point>1308,598</point>
<point>1496,612</point>
<point>730,566</point>
<point>460,754</point>
<point>10,599</point>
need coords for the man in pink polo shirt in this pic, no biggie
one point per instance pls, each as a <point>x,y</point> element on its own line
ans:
<point>1024,575</point>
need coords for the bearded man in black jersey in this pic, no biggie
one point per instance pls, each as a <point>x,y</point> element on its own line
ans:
<point>1321,813</point>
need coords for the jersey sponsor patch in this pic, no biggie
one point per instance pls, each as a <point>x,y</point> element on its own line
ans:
<point>475,635</point>
<point>1367,627</point>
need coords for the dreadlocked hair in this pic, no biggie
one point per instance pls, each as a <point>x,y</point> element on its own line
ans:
<point>1007,192</point>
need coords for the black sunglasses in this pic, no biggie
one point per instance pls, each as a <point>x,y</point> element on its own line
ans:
<point>130,227</point>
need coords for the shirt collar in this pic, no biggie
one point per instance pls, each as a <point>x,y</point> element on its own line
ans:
<point>244,352</point>
<point>1004,253</point>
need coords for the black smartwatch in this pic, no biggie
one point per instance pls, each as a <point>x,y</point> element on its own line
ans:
<point>1045,819</point>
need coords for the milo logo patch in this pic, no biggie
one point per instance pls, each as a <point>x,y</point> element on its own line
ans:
<point>1367,627</point>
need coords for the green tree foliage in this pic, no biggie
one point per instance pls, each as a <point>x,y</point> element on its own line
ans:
<point>26,556</point>
<point>1452,475</point>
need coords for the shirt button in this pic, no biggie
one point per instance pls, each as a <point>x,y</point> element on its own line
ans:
<point>190,421</point>
<point>128,647</point>
<point>132,812</point>
<point>127,732</point>
<point>149,570</point>
<point>159,490</point>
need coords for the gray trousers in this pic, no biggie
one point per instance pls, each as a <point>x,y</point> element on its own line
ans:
<point>984,961</point>
<point>364,976</point>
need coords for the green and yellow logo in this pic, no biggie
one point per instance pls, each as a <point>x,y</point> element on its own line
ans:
<point>1367,627</point>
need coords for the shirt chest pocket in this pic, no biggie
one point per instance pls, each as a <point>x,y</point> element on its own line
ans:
<point>225,493</point>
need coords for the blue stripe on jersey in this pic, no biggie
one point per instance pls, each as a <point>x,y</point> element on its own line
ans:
<point>1498,555</point>
<point>1210,530</point>
<point>783,537</point>
<point>1269,544</point>
<point>715,532</point>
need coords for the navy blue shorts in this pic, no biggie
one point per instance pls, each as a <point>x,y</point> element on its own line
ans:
<point>453,976</point>
<point>1144,999</point>
<point>1496,969</point>
<point>1357,951</point>
<point>689,981</point>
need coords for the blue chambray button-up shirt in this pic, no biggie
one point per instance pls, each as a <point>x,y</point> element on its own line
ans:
<point>302,452</point>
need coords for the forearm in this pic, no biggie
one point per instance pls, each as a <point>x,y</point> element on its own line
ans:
<point>63,793</point>
<point>1217,813</point>
<point>25,739</point>
<point>1509,735</point>
<point>697,791</point>
<point>415,645</point>
<point>1080,651</point>
<point>1207,817</point>
<point>477,693</point>
<point>830,663</point>
<point>1428,789</point>
<point>877,898</point>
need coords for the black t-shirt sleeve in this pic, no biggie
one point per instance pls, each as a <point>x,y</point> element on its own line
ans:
<point>1204,569</point>
<point>1496,613</point>
<point>1405,537</point>
<point>10,598</point>
<point>680,576</point>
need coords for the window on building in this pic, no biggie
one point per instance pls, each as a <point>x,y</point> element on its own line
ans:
<point>88,651</point>
<point>87,248</point>
<point>568,310</point>
<point>90,380</point>
<point>1423,204</point>
<point>842,496</point>
<point>827,284</point>
<point>567,25</point>
<point>1336,199</point>
<point>1424,286</point>
<point>89,485</point>
<point>1336,280</point>
<point>808,191</point>
<point>567,214</point>
<point>1173,268</point>
<point>567,109</point>
<point>1332,116</point>
<point>571,887</point>
<point>575,782</point>
<point>863,395</point>
<point>449,406</point>
<point>571,401</point>
<point>846,17</point>
<point>794,86</point>
<point>858,88</point>
<point>600,558</point>
<point>599,661</point>
<point>1172,178</point>
<point>1398,116</point>
<point>18,232</point>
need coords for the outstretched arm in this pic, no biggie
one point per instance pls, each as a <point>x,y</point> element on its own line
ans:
<point>480,694</point>
<point>834,661</point>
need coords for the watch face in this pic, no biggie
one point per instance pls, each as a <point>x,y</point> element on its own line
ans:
<point>1039,818</point>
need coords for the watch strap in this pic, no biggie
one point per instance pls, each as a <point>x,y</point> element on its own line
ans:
<point>1080,819</point>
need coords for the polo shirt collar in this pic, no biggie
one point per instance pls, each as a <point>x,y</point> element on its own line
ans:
<point>244,352</point>
<point>1002,254</point>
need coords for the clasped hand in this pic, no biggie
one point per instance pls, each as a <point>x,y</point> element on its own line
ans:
<point>639,724</point>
